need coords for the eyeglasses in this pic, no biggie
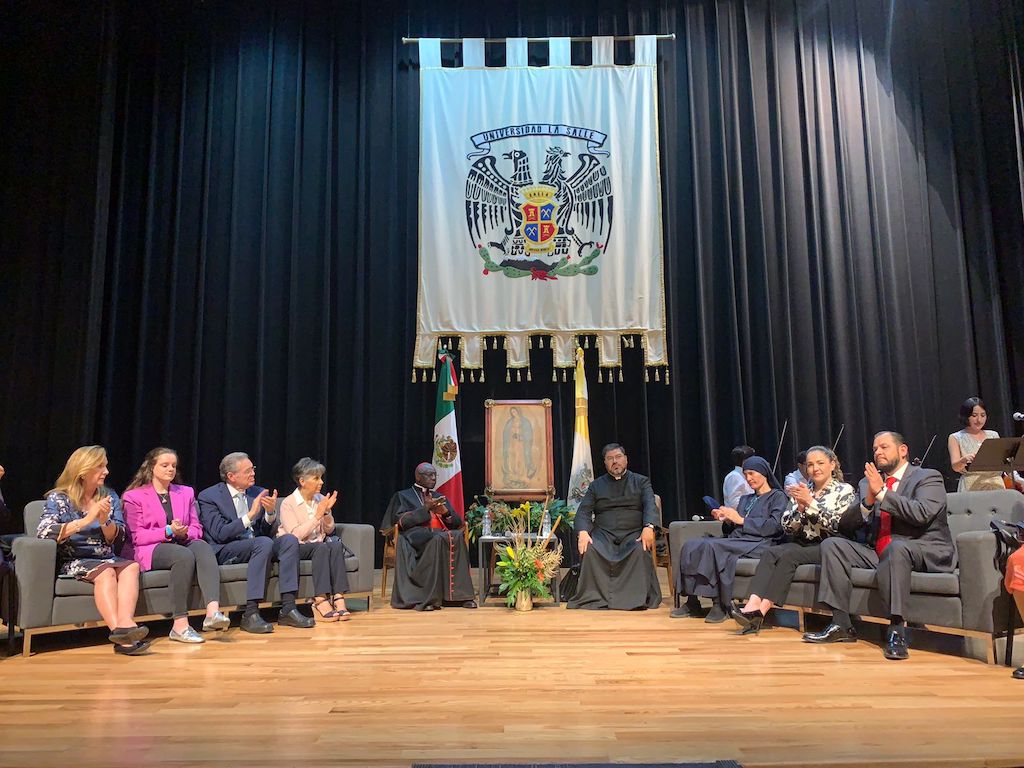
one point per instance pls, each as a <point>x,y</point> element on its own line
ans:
<point>249,471</point>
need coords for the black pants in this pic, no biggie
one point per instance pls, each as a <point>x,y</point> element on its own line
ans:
<point>328,557</point>
<point>778,565</point>
<point>259,552</point>
<point>193,560</point>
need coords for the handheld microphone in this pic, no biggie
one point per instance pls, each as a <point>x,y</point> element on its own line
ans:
<point>1018,416</point>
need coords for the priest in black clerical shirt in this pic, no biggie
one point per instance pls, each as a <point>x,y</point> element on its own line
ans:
<point>615,528</point>
<point>431,560</point>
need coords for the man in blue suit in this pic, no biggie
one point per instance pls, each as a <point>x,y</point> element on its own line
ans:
<point>239,520</point>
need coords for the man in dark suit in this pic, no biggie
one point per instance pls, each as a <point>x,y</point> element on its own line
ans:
<point>238,519</point>
<point>898,525</point>
<point>431,560</point>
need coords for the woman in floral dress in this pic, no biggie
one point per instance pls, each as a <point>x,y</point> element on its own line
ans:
<point>84,517</point>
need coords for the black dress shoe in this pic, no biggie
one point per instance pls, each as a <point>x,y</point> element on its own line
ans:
<point>896,646</point>
<point>256,625</point>
<point>292,618</point>
<point>1018,673</point>
<point>691,607</point>
<point>134,649</point>
<point>715,616</point>
<point>469,604</point>
<point>833,633</point>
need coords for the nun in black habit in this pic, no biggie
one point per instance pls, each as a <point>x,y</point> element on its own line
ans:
<point>707,566</point>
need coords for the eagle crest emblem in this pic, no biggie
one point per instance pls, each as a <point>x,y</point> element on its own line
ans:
<point>446,450</point>
<point>554,226</point>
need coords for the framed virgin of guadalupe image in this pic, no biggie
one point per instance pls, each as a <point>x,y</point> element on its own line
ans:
<point>518,463</point>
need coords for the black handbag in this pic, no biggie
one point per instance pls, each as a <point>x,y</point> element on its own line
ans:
<point>1009,537</point>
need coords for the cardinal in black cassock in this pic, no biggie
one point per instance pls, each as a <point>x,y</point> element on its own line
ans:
<point>615,528</point>
<point>431,560</point>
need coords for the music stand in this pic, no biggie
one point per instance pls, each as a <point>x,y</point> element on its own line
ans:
<point>999,454</point>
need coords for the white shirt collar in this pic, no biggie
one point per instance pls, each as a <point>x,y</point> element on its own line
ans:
<point>899,473</point>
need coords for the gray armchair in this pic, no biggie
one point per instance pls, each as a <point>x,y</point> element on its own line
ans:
<point>970,602</point>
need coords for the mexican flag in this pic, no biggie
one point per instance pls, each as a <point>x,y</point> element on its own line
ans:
<point>582,473</point>
<point>446,459</point>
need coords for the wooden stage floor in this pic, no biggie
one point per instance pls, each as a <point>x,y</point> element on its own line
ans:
<point>392,687</point>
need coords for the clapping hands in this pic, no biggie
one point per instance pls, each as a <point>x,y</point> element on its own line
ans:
<point>874,478</point>
<point>97,510</point>
<point>326,504</point>
<point>801,494</point>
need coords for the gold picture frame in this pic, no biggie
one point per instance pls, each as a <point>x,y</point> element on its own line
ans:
<point>518,450</point>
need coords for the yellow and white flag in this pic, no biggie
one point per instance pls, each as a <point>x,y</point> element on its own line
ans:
<point>582,473</point>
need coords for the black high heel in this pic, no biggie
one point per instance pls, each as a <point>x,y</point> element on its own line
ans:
<point>754,626</point>
<point>745,618</point>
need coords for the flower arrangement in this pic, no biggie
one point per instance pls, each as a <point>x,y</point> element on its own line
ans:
<point>526,565</point>
<point>503,515</point>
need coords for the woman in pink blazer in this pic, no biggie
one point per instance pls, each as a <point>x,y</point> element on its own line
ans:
<point>165,534</point>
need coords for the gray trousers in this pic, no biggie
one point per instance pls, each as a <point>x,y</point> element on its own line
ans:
<point>328,559</point>
<point>840,556</point>
<point>187,562</point>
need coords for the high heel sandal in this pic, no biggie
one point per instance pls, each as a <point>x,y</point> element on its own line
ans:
<point>746,619</point>
<point>329,615</point>
<point>754,627</point>
<point>342,613</point>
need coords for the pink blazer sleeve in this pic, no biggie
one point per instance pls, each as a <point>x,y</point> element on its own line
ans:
<point>145,527</point>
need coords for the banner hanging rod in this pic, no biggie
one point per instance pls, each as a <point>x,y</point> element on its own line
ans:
<point>617,38</point>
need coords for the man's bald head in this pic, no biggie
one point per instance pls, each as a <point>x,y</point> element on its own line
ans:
<point>426,475</point>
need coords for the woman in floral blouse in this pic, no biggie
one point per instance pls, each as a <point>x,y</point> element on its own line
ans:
<point>812,515</point>
<point>84,517</point>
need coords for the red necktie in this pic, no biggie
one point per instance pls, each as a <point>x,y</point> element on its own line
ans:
<point>885,526</point>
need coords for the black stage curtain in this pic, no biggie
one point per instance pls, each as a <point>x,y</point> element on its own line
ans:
<point>209,229</point>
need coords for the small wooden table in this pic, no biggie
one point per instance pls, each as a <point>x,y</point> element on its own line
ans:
<point>483,568</point>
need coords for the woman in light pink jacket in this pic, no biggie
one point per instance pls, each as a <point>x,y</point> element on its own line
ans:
<point>164,533</point>
<point>306,514</point>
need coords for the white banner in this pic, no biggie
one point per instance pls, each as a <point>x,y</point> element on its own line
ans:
<point>540,210</point>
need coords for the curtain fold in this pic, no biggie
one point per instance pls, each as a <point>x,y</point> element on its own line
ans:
<point>210,241</point>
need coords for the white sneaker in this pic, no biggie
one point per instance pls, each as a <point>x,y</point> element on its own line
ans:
<point>188,636</point>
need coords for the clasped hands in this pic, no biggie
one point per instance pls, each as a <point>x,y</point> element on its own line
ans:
<point>97,510</point>
<point>801,494</point>
<point>727,514</point>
